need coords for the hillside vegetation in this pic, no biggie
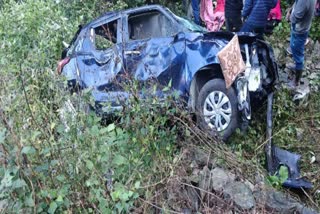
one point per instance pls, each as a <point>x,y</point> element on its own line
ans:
<point>116,165</point>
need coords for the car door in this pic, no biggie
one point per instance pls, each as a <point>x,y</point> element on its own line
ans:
<point>103,61</point>
<point>154,49</point>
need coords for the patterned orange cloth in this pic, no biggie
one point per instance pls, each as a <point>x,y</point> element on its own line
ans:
<point>231,61</point>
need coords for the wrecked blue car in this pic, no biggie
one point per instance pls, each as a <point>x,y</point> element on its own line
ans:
<point>151,42</point>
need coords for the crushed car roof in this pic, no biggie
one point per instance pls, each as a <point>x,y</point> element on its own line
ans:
<point>114,14</point>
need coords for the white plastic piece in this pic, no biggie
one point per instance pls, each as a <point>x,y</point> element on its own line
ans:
<point>248,65</point>
<point>254,79</point>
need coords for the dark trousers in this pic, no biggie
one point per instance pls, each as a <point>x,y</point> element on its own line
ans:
<point>233,24</point>
<point>196,11</point>
<point>297,42</point>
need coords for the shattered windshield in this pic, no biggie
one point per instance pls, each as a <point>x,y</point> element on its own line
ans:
<point>190,25</point>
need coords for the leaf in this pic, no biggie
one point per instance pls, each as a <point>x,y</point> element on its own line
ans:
<point>61,178</point>
<point>2,135</point>
<point>111,127</point>
<point>19,183</point>
<point>59,199</point>
<point>89,164</point>
<point>137,185</point>
<point>53,207</point>
<point>283,174</point>
<point>29,202</point>
<point>119,160</point>
<point>170,83</point>
<point>28,150</point>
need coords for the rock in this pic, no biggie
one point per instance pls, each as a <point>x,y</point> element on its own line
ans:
<point>276,52</point>
<point>202,158</point>
<point>283,77</point>
<point>216,179</point>
<point>204,180</point>
<point>279,202</point>
<point>240,194</point>
<point>249,184</point>
<point>219,178</point>
<point>299,133</point>
<point>316,49</point>
<point>193,197</point>
<point>308,62</point>
<point>3,205</point>
<point>194,177</point>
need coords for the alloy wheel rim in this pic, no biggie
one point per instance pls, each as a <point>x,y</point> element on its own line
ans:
<point>217,110</point>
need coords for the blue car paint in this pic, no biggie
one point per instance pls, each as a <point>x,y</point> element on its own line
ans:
<point>177,58</point>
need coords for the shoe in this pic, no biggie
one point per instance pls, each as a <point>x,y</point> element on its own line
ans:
<point>291,85</point>
<point>291,66</point>
<point>298,77</point>
<point>289,51</point>
<point>295,82</point>
<point>307,41</point>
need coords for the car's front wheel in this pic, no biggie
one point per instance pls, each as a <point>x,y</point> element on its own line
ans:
<point>217,108</point>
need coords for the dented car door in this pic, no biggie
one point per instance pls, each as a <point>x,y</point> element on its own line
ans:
<point>103,61</point>
<point>154,50</point>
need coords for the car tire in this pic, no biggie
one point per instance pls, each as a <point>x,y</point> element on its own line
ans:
<point>220,106</point>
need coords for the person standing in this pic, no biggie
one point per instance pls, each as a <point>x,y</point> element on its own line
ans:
<point>255,13</point>
<point>233,15</point>
<point>301,16</point>
<point>196,11</point>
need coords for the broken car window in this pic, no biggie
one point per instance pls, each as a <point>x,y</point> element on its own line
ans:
<point>149,25</point>
<point>105,35</point>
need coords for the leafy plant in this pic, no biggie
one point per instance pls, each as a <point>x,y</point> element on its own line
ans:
<point>279,178</point>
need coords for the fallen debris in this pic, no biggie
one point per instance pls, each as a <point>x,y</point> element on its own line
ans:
<point>277,157</point>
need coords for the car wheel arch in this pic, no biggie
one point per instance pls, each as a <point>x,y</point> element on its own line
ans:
<point>199,79</point>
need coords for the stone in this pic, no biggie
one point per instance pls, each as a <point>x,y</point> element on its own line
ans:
<point>3,205</point>
<point>299,133</point>
<point>316,49</point>
<point>280,202</point>
<point>202,158</point>
<point>240,194</point>
<point>219,178</point>
<point>276,52</point>
<point>249,184</point>
<point>204,180</point>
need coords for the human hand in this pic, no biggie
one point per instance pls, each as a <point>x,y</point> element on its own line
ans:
<point>288,14</point>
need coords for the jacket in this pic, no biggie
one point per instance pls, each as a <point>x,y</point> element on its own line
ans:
<point>256,11</point>
<point>233,8</point>
<point>301,15</point>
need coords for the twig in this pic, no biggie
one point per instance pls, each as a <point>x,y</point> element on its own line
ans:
<point>155,206</point>
<point>209,193</point>
<point>28,103</point>
<point>312,201</point>
<point>34,195</point>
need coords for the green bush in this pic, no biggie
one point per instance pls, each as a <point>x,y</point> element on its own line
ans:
<point>93,166</point>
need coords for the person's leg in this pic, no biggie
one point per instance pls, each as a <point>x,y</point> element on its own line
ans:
<point>237,23</point>
<point>196,11</point>
<point>259,31</point>
<point>233,24</point>
<point>228,24</point>
<point>297,42</point>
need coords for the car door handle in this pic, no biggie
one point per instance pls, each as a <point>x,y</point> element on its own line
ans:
<point>132,52</point>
